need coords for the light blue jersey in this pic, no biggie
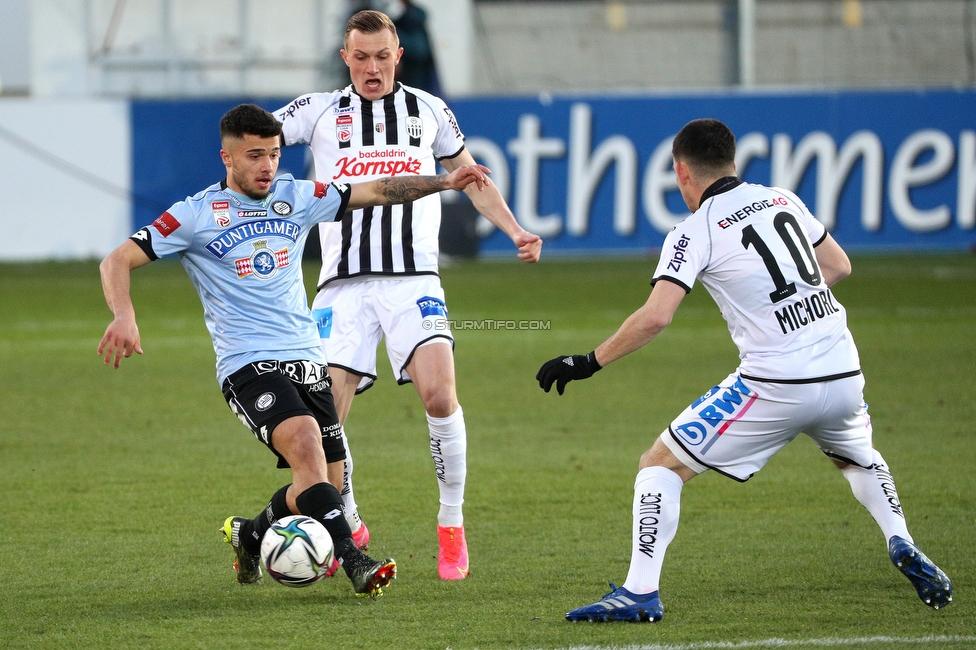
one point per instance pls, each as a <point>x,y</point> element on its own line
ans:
<point>244,259</point>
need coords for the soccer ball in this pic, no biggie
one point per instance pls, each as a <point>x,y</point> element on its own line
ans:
<point>297,551</point>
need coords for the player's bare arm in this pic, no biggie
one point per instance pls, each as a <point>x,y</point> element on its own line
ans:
<point>638,330</point>
<point>491,204</point>
<point>833,261</point>
<point>403,189</point>
<point>121,337</point>
<point>643,325</point>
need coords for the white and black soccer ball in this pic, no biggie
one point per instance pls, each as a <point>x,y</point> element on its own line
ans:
<point>297,551</point>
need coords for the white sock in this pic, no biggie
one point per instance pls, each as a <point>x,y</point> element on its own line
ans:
<point>448,448</point>
<point>657,503</point>
<point>874,488</point>
<point>348,497</point>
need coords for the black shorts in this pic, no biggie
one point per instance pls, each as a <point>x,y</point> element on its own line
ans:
<point>264,394</point>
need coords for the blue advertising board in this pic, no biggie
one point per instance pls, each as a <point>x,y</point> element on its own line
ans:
<point>176,152</point>
<point>884,170</point>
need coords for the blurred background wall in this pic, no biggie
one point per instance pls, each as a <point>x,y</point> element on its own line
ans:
<point>95,94</point>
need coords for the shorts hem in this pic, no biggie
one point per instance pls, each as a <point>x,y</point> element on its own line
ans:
<point>362,375</point>
<point>844,459</point>
<point>400,378</point>
<point>690,461</point>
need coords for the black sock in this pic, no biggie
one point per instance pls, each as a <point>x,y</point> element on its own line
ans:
<point>253,530</point>
<point>323,503</point>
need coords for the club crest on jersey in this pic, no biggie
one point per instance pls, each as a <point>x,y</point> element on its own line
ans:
<point>221,213</point>
<point>430,306</point>
<point>263,262</point>
<point>344,128</point>
<point>415,127</point>
<point>379,127</point>
<point>281,208</point>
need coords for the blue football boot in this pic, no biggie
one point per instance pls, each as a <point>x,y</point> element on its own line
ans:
<point>933,586</point>
<point>621,605</point>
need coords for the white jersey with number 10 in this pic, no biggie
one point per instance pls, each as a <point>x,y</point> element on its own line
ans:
<point>752,247</point>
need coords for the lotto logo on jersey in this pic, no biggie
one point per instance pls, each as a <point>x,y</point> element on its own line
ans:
<point>166,224</point>
<point>713,413</point>
<point>221,213</point>
<point>344,128</point>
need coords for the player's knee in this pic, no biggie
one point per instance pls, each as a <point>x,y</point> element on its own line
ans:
<point>659,455</point>
<point>649,459</point>
<point>299,442</point>
<point>441,402</point>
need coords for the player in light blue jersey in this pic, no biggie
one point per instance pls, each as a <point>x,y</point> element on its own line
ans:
<point>241,243</point>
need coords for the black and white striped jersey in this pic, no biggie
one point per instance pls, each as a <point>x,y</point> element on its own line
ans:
<point>354,140</point>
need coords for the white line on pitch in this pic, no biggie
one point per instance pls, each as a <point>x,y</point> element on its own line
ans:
<point>785,643</point>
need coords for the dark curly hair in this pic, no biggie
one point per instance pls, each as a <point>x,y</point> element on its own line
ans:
<point>249,119</point>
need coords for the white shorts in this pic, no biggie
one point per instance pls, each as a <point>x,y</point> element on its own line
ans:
<point>354,314</point>
<point>737,426</point>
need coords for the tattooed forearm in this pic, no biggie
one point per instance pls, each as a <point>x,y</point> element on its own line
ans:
<point>401,189</point>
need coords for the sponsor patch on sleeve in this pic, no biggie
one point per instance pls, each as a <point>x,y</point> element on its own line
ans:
<point>321,189</point>
<point>166,224</point>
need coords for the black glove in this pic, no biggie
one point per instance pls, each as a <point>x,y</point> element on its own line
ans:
<point>563,370</point>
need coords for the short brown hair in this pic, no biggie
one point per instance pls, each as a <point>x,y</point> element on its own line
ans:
<point>370,22</point>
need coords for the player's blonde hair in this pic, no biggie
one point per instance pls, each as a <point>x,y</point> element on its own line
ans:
<point>370,22</point>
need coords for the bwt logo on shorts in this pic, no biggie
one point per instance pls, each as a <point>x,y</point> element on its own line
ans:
<point>717,410</point>
<point>678,257</point>
<point>430,306</point>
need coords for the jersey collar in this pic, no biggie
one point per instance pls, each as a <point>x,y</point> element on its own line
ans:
<point>396,88</point>
<point>241,199</point>
<point>721,185</point>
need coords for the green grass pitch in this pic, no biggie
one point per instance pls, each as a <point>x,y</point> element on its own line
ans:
<point>114,482</point>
